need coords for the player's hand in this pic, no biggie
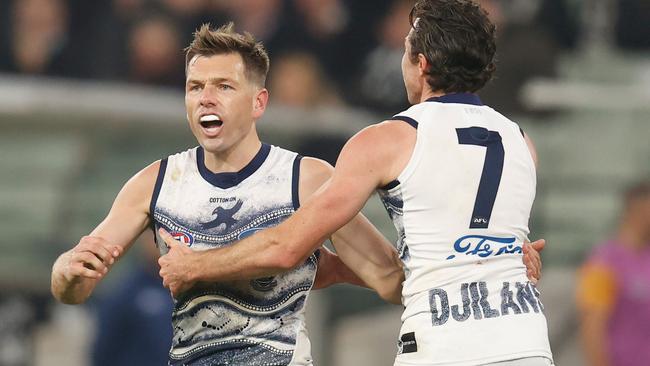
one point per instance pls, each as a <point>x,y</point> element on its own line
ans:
<point>532,259</point>
<point>176,265</point>
<point>326,274</point>
<point>332,270</point>
<point>92,258</point>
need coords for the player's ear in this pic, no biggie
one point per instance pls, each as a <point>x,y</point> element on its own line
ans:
<point>259,103</point>
<point>423,64</point>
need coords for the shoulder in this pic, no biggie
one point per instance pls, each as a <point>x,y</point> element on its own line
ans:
<point>140,187</point>
<point>383,143</point>
<point>148,175</point>
<point>384,135</point>
<point>378,152</point>
<point>313,173</point>
<point>315,167</point>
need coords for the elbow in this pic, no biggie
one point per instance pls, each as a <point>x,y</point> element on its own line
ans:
<point>67,295</point>
<point>395,299</point>
<point>69,300</point>
<point>72,301</point>
<point>392,295</point>
<point>390,289</point>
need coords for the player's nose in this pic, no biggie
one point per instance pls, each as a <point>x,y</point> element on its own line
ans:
<point>208,97</point>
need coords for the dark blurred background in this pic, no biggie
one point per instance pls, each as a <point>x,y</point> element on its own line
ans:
<point>92,91</point>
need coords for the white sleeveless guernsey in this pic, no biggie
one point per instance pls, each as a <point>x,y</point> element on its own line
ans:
<point>461,207</point>
<point>259,322</point>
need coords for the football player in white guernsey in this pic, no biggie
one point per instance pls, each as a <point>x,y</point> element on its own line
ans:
<point>208,197</point>
<point>458,180</point>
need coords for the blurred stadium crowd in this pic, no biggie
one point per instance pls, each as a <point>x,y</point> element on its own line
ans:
<point>341,55</point>
<point>337,51</point>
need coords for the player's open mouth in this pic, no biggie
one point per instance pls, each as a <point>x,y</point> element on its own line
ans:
<point>211,123</point>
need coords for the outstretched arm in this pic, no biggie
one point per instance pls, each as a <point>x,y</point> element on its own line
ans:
<point>369,160</point>
<point>364,257</point>
<point>77,271</point>
<point>361,167</point>
<point>367,252</point>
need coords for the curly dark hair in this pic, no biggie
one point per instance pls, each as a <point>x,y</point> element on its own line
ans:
<point>458,41</point>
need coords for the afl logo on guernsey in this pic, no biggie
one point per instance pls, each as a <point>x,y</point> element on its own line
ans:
<point>184,238</point>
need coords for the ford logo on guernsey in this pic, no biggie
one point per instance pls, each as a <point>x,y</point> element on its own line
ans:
<point>184,238</point>
<point>249,232</point>
<point>485,246</point>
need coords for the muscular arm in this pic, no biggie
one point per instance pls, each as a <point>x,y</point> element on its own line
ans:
<point>371,257</point>
<point>77,271</point>
<point>361,168</point>
<point>372,158</point>
<point>365,257</point>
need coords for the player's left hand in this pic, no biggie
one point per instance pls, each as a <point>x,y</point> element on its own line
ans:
<point>326,274</point>
<point>532,259</point>
<point>176,265</point>
<point>332,270</point>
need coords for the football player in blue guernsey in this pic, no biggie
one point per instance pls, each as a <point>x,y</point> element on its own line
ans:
<point>209,197</point>
<point>458,180</point>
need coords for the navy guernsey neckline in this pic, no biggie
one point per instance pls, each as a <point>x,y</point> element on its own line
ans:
<point>460,98</point>
<point>231,179</point>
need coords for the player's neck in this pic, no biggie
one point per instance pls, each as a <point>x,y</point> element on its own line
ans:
<point>235,158</point>
<point>428,94</point>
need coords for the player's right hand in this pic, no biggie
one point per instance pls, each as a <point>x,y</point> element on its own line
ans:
<point>533,260</point>
<point>91,258</point>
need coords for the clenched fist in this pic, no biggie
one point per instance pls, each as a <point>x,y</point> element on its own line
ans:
<point>176,266</point>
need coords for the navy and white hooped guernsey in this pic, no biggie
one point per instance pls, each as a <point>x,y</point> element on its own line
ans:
<point>258,322</point>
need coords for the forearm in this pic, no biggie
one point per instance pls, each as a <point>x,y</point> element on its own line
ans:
<point>69,291</point>
<point>260,255</point>
<point>276,249</point>
<point>371,257</point>
<point>388,285</point>
<point>390,288</point>
<point>332,270</point>
<point>384,274</point>
<point>385,279</point>
<point>345,275</point>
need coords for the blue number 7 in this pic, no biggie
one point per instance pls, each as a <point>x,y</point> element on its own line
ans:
<point>492,170</point>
